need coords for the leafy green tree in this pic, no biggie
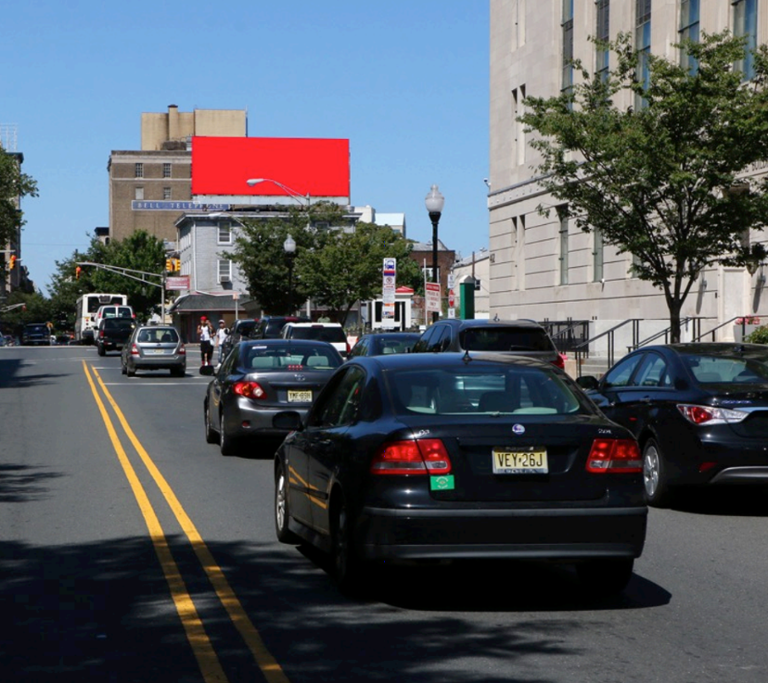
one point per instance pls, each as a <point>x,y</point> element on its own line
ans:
<point>348,267</point>
<point>139,251</point>
<point>13,186</point>
<point>658,181</point>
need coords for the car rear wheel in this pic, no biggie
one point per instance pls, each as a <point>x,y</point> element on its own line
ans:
<point>605,577</point>
<point>131,372</point>
<point>211,436</point>
<point>655,480</point>
<point>226,442</point>
<point>101,350</point>
<point>346,564</point>
<point>282,509</point>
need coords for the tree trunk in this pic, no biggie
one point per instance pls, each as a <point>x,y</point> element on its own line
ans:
<point>674,321</point>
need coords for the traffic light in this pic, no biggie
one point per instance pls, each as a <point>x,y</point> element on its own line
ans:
<point>169,265</point>
<point>13,261</point>
<point>77,272</point>
<point>177,265</point>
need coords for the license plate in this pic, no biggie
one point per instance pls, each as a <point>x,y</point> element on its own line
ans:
<point>519,462</point>
<point>299,396</point>
<point>155,352</point>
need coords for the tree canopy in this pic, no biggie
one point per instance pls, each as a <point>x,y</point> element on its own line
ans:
<point>333,264</point>
<point>13,186</point>
<point>661,180</point>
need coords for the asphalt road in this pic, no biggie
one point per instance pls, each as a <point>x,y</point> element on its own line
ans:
<point>131,550</point>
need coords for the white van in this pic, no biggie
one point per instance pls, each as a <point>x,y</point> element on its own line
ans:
<point>333,333</point>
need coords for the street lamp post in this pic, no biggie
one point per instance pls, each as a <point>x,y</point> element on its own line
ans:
<point>289,247</point>
<point>288,190</point>
<point>434,202</point>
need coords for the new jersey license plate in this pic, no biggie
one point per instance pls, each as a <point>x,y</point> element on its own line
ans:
<point>506,461</point>
<point>299,396</point>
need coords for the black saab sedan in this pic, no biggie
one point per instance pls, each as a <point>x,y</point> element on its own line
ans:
<point>423,457</point>
<point>698,410</point>
<point>258,381</point>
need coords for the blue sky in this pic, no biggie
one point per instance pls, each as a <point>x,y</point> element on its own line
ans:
<point>405,81</point>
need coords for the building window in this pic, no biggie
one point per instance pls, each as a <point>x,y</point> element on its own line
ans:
<point>563,248</point>
<point>689,30</point>
<point>139,170</point>
<point>597,256</point>
<point>225,233</point>
<point>567,26</point>
<point>225,270</point>
<point>602,32</point>
<point>745,24</point>
<point>166,170</point>
<point>138,193</point>
<point>166,193</point>
<point>643,47</point>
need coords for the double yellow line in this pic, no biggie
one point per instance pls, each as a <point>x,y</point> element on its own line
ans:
<point>207,660</point>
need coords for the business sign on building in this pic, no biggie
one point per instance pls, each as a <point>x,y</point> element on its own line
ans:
<point>177,282</point>
<point>144,205</point>
<point>291,169</point>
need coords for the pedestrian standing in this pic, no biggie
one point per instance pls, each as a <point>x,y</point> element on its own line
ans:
<point>205,334</point>
<point>221,334</point>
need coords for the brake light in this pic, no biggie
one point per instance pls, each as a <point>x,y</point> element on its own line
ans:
<point>134,350</point>
<point>249,390</point>
<point>614,455</point>
<point>412,456</point>
<point>709,415</point>
<point>101,334</point>
<point>560,361</point>
<point>349,348</point>
<point>182,350</point>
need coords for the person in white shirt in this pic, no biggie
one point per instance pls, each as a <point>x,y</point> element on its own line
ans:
<point>219,337</point>
<point>205,334</point>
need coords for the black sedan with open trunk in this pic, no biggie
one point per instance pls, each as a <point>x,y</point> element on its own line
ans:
<point>421,457</point>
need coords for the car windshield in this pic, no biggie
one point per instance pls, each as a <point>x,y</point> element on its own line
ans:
<point>733,369</point>
<point>289,357</point>
<point>163,335</point>
<point>504,339</point>
<point>36,329</point>
<point>484,390</point>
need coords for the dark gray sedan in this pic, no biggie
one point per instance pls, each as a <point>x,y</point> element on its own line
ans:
<point>261,379</point>
<point>154,347</point>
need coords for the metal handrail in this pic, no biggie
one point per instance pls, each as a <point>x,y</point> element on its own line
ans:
<point>579,351</point>
<point>665,333</point>
<point>744,323</point>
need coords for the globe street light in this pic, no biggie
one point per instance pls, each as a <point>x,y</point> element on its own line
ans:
<point>434,202</point>
<point>289,191</point>
<point>289,247</point>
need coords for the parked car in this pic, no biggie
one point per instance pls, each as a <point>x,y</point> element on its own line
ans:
<point>518,337</point>
<point>113,333</point>
<point>242,329</point>
<point>380,343</point>
<point>154,347</point>
<point>36,334</point>
<point>270,326</point>
<point>413,457</point>
<point>260,380</point>
<point>333,333</point>
<point>698,410</point>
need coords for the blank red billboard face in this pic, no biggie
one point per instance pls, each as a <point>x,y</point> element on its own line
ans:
<point>222,166</point>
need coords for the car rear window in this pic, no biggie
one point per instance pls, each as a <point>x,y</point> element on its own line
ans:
<point>515,391</point>
<point>165,335</point>
<point>737,369</point>
<point>36,329</point>
<point>505,339</point>
<point>289,357</point>
<point>320,333</point>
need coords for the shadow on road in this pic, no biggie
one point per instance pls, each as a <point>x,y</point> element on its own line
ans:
<point>742,501</point>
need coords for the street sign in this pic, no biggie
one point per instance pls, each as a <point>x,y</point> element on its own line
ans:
<point>432,290</point>
<point>177,282</point>
<point>451,299</point>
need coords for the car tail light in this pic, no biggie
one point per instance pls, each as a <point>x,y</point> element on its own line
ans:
<point>614,455</point>
<point>134,350</point>
<point>101,334</point>
<point>349,348</point>
<point>709,415</point>
<point>560,361</point>
<point>182,350</point>
<point>249,390</point>
<point>412,456</point>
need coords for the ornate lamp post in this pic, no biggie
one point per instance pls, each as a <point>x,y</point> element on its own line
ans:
<point>434,202</point>
<point>289,247</point>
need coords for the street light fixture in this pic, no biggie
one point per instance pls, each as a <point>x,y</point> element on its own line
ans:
<point>434,202</point>
<point>289,247</point>
<point>290,191</point>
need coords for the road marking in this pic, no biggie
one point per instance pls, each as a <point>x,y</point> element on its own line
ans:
<point>207,660</point>
<point>272,671</point>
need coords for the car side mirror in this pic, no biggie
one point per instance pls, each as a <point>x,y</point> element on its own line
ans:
<point>588,382</point>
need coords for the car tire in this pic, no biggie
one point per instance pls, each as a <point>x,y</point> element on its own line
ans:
<point>226,442</point>
<point>347,571</point>
<point>211,435</point>
<point>122,369</point>
<point>605,577</point>
<point>282,508</point>
<point>655,479</point>
<point>131,372</point>
<point>101,350</point>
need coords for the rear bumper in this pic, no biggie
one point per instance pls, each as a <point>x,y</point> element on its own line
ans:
<point>551,534</point>
<point>248,419</point>
<point>158,363</point>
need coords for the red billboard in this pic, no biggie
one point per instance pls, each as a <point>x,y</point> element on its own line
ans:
<point>319,167</point>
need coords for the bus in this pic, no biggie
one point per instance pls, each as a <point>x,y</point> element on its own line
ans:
<point>85,317</point>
